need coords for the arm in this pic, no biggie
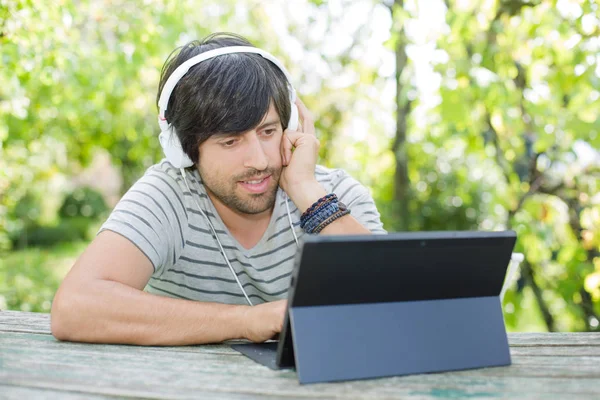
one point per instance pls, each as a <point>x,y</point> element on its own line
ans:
<point>298,176</point>
<point>102,300</point>
<point>306,194</point>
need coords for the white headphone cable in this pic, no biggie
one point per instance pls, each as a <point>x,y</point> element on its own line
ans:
<point>216,238</point>
<point>182,170</point>
<point>287,206</point>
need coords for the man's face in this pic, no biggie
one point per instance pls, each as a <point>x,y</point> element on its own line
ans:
<point>242,171</point>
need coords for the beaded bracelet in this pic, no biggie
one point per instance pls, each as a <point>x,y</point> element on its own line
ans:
<point>315,207</point>
<point>322,209</point>
<point>320,215</point>
<point>323,204</point>
<point>329,220</point>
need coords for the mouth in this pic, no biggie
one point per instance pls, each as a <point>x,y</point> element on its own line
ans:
<point>255,185</point>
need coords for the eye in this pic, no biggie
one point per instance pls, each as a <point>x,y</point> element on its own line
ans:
<point>269,132</point>
<point>228,143</point>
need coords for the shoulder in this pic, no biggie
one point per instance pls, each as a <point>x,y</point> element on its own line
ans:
<point>162,186</point>
<point>165,170</point>
<point>153,215</point>
<point>335,179</point>
<point>327,175</point>
<point>165,178</point>
<point>345,186</point>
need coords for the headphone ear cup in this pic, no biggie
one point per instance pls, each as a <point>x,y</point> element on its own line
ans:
<point>172,149</point>
<point>293,122</point>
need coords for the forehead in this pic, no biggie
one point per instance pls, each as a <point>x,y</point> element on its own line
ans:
<point>271,114</point>
<point>270,118</point>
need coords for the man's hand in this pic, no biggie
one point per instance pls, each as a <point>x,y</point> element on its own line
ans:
<point>298,175</point>
<point>264,321</point>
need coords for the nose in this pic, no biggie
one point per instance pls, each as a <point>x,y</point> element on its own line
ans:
<point>256,157</point>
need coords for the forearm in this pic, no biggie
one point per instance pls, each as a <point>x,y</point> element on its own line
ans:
<point>111,312</point>
<point>344,226</point>
<point>305,195</point>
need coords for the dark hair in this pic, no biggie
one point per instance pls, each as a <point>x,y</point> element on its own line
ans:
<point>226,94</point>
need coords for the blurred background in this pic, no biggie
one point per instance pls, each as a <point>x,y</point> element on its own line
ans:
<point>458,114</point>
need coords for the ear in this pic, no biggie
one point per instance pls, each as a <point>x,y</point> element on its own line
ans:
<point>173,150</point>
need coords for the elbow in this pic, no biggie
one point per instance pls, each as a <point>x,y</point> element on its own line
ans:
<point>58,320</point>
<point>59,331</point>
<point>62,317</point>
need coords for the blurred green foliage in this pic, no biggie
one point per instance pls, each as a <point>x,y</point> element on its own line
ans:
<point>506,137</point>
<point>76,219</point>
<point>65,230</point>
<point>83,202</point>
<point>29,278</point>
<point>519,97</point>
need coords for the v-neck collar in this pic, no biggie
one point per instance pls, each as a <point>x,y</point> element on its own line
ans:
<point>247,252</point>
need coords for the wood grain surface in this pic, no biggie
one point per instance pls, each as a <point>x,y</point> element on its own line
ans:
<point>33,364</point>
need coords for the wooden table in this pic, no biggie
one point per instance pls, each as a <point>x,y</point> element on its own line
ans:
<point>35,365</point>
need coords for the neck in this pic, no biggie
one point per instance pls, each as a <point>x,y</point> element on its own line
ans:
<point>247,229</point>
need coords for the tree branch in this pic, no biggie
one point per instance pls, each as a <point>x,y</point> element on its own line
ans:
<point>403,109</point>
<point>535,179</point>
<point>529,276</point>
<point>553,191</point>
<point>500,158</point>
<point>575,211</point>
<point>532,190</point>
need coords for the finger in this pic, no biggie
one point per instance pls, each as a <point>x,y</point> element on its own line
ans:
<point>300,140</point>
<point>308,123</point>
<point>282,150</point>
<point>287,142</point>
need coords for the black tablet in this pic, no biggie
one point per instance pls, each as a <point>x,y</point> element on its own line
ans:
<point>343,270</point>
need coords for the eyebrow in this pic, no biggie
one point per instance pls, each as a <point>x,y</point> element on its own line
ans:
<point>269,123</point>
<point>218,136</point>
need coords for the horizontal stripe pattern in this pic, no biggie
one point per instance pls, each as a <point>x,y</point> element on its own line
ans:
<point>160,216</point>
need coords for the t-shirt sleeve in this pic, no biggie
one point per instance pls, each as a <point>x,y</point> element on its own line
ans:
<point>152,215</point>
<point>359,200</point>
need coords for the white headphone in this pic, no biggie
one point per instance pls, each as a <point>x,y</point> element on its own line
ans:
<point>171,145</point>
<point>169,140</point>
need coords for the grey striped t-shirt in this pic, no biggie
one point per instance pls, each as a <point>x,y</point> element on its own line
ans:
<point>160,217</point>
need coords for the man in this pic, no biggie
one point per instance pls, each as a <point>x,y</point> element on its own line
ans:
<point>156,274</point>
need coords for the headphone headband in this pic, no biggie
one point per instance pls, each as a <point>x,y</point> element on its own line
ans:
<point>168,138</point>
<point>180,71</point>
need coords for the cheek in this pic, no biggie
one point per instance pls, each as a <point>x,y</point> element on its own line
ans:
<point>209,166</point>
<point>221,168</point>
<point>275,153</point>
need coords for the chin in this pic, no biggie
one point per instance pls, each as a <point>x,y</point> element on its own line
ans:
<point>262,202</point>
